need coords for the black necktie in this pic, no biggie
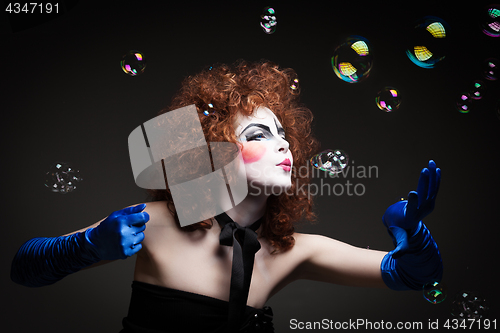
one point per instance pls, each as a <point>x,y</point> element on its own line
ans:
<point>245,245</point>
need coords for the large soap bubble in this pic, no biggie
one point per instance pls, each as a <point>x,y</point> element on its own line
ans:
<point>427,45</point>
<point>352,60</point>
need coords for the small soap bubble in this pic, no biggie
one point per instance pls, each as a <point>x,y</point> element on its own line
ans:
<point>434,292</point>
<point>330,160</point>
<point>388,99</point>
<point>268,20</point>
<point>477,89</point>
<point>427,45</point>
<point>133,63</point>
<point>469,305</point>
<point>62,178</point>
<point>491,21</point>
<point>463,103</point>
<point>294,84</point>
<point>352,60</point>
<point>491,69</point>
<point>208,109</point>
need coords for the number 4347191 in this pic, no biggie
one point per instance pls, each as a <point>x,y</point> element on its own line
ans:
<point>32,7</point>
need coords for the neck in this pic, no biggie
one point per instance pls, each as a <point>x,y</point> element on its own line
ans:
<point>249,210</point>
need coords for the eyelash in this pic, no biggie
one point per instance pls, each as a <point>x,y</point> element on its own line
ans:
<point>256,136</point>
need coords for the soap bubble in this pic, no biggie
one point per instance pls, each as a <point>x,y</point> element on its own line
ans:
<point>294,85</point>
<point>62,178</point>
<point>477,89</point>
<point>208,109</point>
<point>331,161</point>
<point>268,20</point>
<point>463,103</point>
<point>428,43</point>
<point>133,63</point>
<point>469,305</point>
<point>491,24</point>
<point>353,59</point>
<point>435,292</point>
<point>388,99</point>
<point>491,69</point>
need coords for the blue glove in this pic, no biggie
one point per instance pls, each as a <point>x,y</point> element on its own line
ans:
<point>415,260</point>
<point>120,235</point>
<point>403,217</point>
<point>45,260</point>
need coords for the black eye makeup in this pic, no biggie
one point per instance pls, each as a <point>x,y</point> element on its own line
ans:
<point>263,132</point>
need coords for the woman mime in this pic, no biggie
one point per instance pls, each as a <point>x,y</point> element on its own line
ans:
<point>217,275</point>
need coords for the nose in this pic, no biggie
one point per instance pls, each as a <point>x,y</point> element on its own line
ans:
<point>283,145</point>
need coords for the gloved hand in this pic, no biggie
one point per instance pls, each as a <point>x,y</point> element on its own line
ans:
<point>120,235</point>
<point>403,217</point>
<point>43,261</point>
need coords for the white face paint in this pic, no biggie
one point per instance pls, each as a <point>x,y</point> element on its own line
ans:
<point>264,149</point>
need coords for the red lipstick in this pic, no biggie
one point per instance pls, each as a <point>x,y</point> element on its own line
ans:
<point>286,164</point>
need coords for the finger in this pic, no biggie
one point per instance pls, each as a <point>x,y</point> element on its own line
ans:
<point>438,176</point>
<point>135,229</point>
<point>133,249</point>
<point>133,209</point>
<point>139,238</point>
<point>411,207</point>
<point>423,186</point>
<point>432,179</point>
<point>138,219</point>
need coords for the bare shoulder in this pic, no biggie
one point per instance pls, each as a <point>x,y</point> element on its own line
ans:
<point>159,214</point>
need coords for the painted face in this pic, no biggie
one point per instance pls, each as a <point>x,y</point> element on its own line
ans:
<point>268,161</point>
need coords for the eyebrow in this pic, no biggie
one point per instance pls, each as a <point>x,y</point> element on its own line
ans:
<point>280,129</point>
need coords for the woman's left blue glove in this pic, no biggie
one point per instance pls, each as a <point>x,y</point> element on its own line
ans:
<point>416,259</point>
<point>403,217</point>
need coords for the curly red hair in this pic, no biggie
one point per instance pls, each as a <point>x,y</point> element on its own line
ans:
<point>242,87</point>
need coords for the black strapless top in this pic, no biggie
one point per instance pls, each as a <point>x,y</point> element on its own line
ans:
<point>155,309</point>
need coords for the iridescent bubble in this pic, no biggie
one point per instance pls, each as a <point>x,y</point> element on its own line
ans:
<point>469,305</point>
<point>208,109</point>
<point>133,63</point>
<point>491,25</point>
<point>463,103</point>
<point>435,292</point>
<point>491,69</point>
<point>388,99</point>
<point>62,178</point>
<point>331,161</point>
<point>268,20</point>
<point>294,85</point>
<point>477,89</point>
<point>352,60</point>
<point>427,46</point>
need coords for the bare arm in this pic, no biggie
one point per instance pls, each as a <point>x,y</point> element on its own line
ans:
<point>328,260</point>
<point>45,260</point>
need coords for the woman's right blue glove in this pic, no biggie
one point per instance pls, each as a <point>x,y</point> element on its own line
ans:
<point>45,260</point>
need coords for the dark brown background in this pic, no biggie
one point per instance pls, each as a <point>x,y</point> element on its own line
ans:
<point>65,98</point>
